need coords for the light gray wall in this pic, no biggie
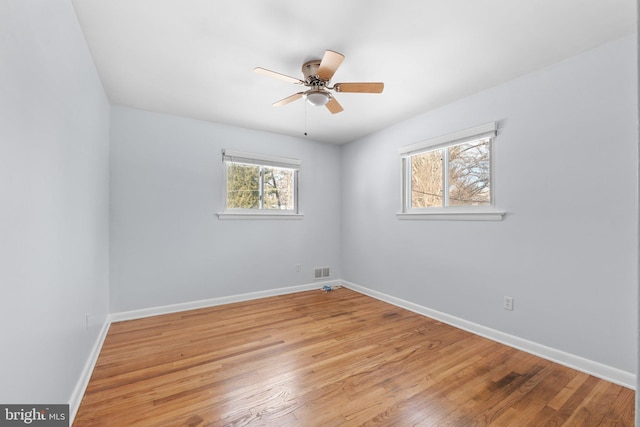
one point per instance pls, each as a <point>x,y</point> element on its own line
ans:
<point>566,173</point>
<point>54,185</point>
<point>167,244</point>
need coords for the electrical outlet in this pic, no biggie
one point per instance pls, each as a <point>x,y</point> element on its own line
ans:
<point>508,303</point>
<point>86,320</point>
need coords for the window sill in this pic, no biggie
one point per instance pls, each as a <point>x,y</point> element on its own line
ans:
<point>258,215</point>
<point>454,215</point>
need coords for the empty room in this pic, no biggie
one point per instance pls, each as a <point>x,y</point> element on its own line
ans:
<point>225,213</point>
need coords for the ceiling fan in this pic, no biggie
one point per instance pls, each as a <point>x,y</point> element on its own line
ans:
<point>317,76</point>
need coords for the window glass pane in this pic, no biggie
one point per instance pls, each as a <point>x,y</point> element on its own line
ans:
<point>243,186</point>
<point>469,174</point>
<point>278,188</point>
<point>426,179</point>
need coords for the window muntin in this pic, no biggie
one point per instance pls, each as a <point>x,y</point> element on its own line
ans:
<point>259,183</point>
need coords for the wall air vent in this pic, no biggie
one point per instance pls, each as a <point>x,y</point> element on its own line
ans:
<point>321,272</point>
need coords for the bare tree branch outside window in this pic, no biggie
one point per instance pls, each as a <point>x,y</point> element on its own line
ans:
<point>468,172</point>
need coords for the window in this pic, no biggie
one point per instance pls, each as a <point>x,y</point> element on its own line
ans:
<point>450,175</point>
<point>256,184</point>
<point>457,175</point>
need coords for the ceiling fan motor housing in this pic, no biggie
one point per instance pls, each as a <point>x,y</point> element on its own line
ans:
<point>310,70</point>
<point>317,95</point>
<point>310,73</point>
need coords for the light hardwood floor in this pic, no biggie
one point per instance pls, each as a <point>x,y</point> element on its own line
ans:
<point>331,359</point>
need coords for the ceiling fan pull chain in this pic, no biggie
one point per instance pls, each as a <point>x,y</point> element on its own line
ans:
<point>305,119</point>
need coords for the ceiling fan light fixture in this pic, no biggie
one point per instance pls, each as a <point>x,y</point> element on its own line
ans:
<point>317,97</point>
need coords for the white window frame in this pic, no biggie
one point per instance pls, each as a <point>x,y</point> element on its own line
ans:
<point>262,160</point>
<point>455,213</point>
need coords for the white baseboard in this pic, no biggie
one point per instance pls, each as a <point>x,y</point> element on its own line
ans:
<point>192,305</point>
<point>85,376</point>
<point>605,372</point>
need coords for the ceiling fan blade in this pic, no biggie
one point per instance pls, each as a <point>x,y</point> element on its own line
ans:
<point>329,64</point>
<point>334,106</point>
<point>280,76</point>
<point>288,99</point>
<point>377,87</point>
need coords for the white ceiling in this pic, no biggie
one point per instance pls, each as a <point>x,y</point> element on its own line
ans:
<point>195,58</point>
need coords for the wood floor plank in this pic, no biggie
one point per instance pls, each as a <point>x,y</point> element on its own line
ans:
<point>331,359</point>
<point>621,413</point>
